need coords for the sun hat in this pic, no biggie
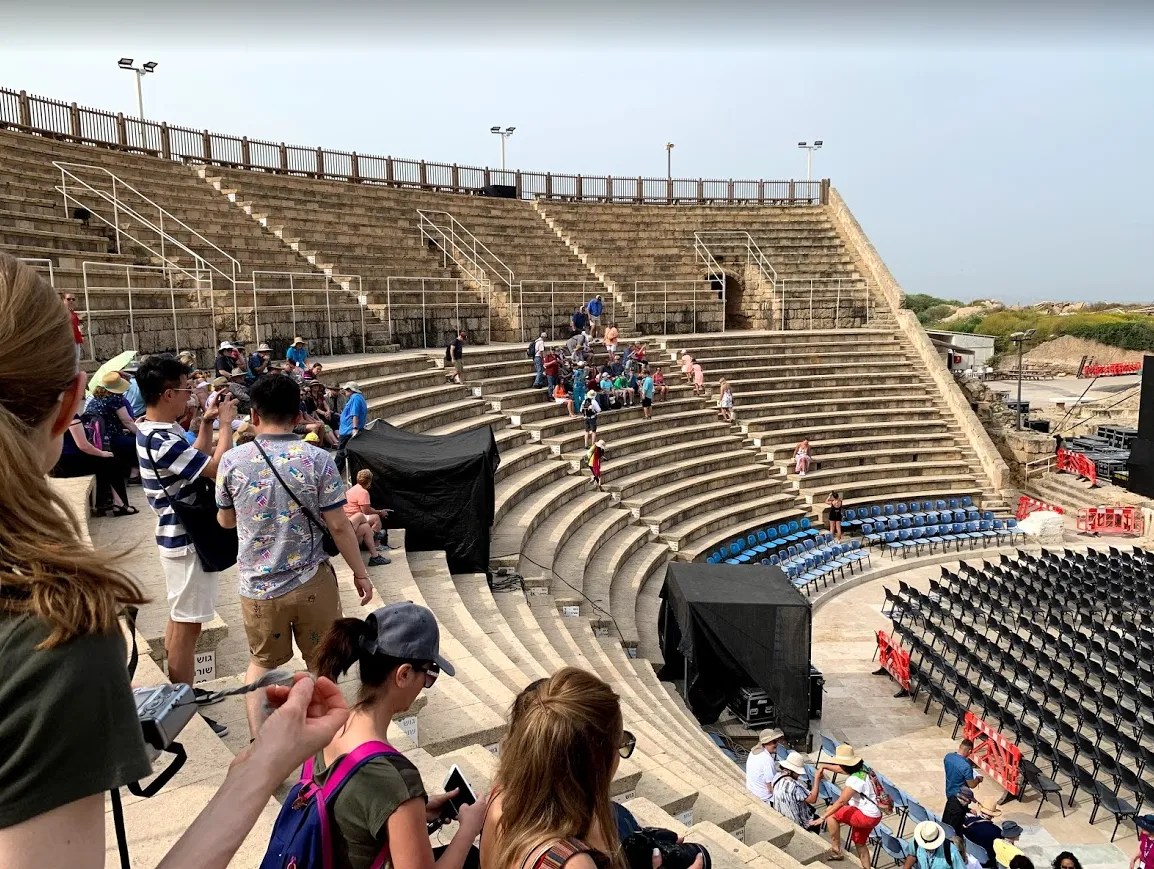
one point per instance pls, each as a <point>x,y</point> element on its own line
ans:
<point>929,835</point>
<point>238,372</point>
<point>845,756</point>
<point>113,382</point>
<point>602,445</point>
<point>1011,829</point>
<point>219,381</point>
<point>298,340</point>
<point>794,762</point>
<point>225,345</point>
<point>766,736</point>
<point>406,631</point>
<point>351,386</point>
<point>966,793</point>
<point>263,347</point>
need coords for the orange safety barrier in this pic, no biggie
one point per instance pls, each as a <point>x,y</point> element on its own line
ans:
<point>1111,520</point>
<point>1026,506</point>
<point>993,753</point>
<point>894,659</point>
<point>1076,463</point>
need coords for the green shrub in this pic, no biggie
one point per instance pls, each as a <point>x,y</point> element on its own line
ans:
<point>1130,335</point>
<point>919,302</point>
<point>968,324</point>
<point>935,313</point>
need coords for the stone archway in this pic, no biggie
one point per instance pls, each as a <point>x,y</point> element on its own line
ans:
<point>734,290</point>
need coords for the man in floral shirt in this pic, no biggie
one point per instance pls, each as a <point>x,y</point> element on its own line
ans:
<point>282,494</point>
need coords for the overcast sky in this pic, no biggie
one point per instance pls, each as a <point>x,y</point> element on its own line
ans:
<point>1014,168</point>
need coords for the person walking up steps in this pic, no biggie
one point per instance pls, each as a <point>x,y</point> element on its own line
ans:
<point>594,308</point>
<point>596,453</point>
<point>283,495</point>
<point>590,407</point>
<point>725,401</point>
<point>834,502</point>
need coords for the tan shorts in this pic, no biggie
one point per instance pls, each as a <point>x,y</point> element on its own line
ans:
<point>305,613</point>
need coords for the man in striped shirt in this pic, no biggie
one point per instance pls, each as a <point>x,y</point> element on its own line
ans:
<point>169,465</point>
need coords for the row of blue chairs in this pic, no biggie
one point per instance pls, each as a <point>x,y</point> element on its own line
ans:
<point>957,533</point>
<point>933,517</point>
<point>857,515</point>
<point>759,544</point>
<point>812,563</point>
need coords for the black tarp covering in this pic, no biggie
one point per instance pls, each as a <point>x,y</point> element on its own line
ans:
<point>440,488</point>
<point>738,626</point>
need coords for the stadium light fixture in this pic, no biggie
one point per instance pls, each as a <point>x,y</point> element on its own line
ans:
<point>669,146</point>
<point>140,71</point>
<point>1020,339</point>
<point>809,149</point>
<point>504,134</point>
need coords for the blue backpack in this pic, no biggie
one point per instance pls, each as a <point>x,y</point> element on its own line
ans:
<point>302,835</point>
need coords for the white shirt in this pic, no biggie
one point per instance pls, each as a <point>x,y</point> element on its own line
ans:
<point>539,347</point>
<point>760,771</point>
<point>865,800</point>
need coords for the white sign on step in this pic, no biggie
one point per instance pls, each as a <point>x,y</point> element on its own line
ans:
<point>409,725</point>
<point>205,666</point>
<point>626,797</point>
<point>571,611</point>
<point>686,818</point>
<point>494,749</point>
<point>739,834</point>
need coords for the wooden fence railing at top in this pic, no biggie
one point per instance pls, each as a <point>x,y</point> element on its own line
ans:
<point>48,117</point>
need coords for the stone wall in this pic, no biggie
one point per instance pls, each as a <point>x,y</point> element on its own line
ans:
<point>876,270</point>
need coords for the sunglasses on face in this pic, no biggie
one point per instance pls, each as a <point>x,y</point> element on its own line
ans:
<point>431,673</point>
<point>628,743</point>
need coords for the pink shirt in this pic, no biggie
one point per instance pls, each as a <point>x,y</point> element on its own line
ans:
<point>698,375</point>
<point>355,498</point>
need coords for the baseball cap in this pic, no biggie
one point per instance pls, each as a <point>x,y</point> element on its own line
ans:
<point>966,793</point>
<point>351,386</point>
<point>408,631</point>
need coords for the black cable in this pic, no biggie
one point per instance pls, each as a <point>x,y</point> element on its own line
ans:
<point>118,823</point>
<point>596,607</point>
<point>1108,407</point>
<point>1078,402</point>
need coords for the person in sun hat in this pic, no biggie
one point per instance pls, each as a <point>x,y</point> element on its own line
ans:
<point>117,420</point>
<point>790,797</point>
<point>225,359</point>
<point>298,352</point>
<point>856,805</point>
<point>1006,847</point>
<point>259,360</point>
<point>761,766</point>
<point>596,454</point>
<point>930,848</point>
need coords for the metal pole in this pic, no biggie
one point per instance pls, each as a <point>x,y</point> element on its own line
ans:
<point>1021,341</point>
<point>388,304</point>
<point>293,301</point>
<point>139,96</point>
<point>808,165</point>
<point>255,309</point>
<point>502,135</point>
<point>329,316</point>
<point>669,164</point>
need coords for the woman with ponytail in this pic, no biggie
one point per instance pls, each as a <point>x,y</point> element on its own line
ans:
<point>68,725</point>
<point>383,804</point>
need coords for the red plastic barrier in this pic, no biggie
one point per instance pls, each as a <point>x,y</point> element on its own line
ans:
<point>993,753</point>
<point>894,659</point>
<point>1113,370</point>
<point>1076,463</point>
<point>1111,520</point>
<point>1026,506</point>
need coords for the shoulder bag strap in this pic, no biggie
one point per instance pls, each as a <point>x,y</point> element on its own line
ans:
<point>308,513</point>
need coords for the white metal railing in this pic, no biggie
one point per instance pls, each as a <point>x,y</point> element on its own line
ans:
<point>1040,466</point>
<point>157,220</point>
<point>794,296</point>
<point>700,295</point>
<point>435,294</point>
<point>275,285</point>
<point>471,254</point>
<point>134,279</point>
<point>740,241</point>
<point>563,296</point>
<point>41,264</point>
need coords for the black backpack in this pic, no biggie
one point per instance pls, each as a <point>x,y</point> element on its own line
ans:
<point>532,351</point>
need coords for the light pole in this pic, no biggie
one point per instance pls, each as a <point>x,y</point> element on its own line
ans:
<point>504,134</point>
<point>809,149</point>
<point>669,160</point>
<point>1020,338</point>
<point>141,71</point>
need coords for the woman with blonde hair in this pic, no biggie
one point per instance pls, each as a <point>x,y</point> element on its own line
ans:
<point>69,725</point>
<point>367,519</point>
<point>550,803</point>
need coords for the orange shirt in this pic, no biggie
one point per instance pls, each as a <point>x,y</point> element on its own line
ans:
<point>355,498</point>
<point>611,335</point>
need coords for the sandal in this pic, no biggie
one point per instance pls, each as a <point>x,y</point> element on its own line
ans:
<point>837,855</point>
<point>124,510</point>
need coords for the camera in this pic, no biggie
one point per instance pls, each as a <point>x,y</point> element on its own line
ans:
<point>639,848</point>
<point>163,710</point>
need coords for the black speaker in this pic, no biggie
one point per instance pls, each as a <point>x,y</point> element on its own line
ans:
<point>501,191</point>
<point>1141,463</point>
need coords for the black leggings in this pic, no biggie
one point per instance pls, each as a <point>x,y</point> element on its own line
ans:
<point>108,473</point>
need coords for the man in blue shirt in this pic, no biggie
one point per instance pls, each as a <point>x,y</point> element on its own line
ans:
<point>647,395</point>
<point>353,418</point>
<point>595,307</point>
<point>132,395</point>
<point>579,320</point>
<point>959,770</point>
<point>298,352</point>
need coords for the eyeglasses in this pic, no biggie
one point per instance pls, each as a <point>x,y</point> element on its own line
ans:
<point>70,298</point>
<point>431,673</point>
<point>628,743</point>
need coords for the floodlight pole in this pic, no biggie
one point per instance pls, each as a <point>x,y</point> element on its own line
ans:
<point>139,94</point>
<point>1021,341</point>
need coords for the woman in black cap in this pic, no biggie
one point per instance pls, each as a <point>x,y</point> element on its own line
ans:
<point>384,804</point>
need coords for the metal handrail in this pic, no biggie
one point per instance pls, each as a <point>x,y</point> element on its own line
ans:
<point>41,262</point>
<point>609,316</point>
<point>663,295</point>
<point>118,205</point>
<point>455,305</point>
<point>477,262</point>
<point>202,280</point>
<point>1042,465</point>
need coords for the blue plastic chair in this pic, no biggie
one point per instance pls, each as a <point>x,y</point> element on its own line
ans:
<point>967,501</point>
<point>940,505</point>
<point>888,509</point>
<point>875,511</point>
<point>916,810</point>
<point>902,509</point>
<point>890,844</point>
<point>977,852</point>
<point>954,503</point>
<point>775,559</point>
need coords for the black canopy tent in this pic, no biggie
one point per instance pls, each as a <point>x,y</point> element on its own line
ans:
<point>733,626</point>
<point>439,487</point>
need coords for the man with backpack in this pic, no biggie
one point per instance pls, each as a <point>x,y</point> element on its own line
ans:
<point>860,805</point>
<point>537,352</point>
<point>284,497</point>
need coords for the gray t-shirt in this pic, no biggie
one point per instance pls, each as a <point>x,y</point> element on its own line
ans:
<point>280,549</point>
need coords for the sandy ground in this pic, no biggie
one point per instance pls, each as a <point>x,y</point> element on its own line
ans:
<point>1045,393</point>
